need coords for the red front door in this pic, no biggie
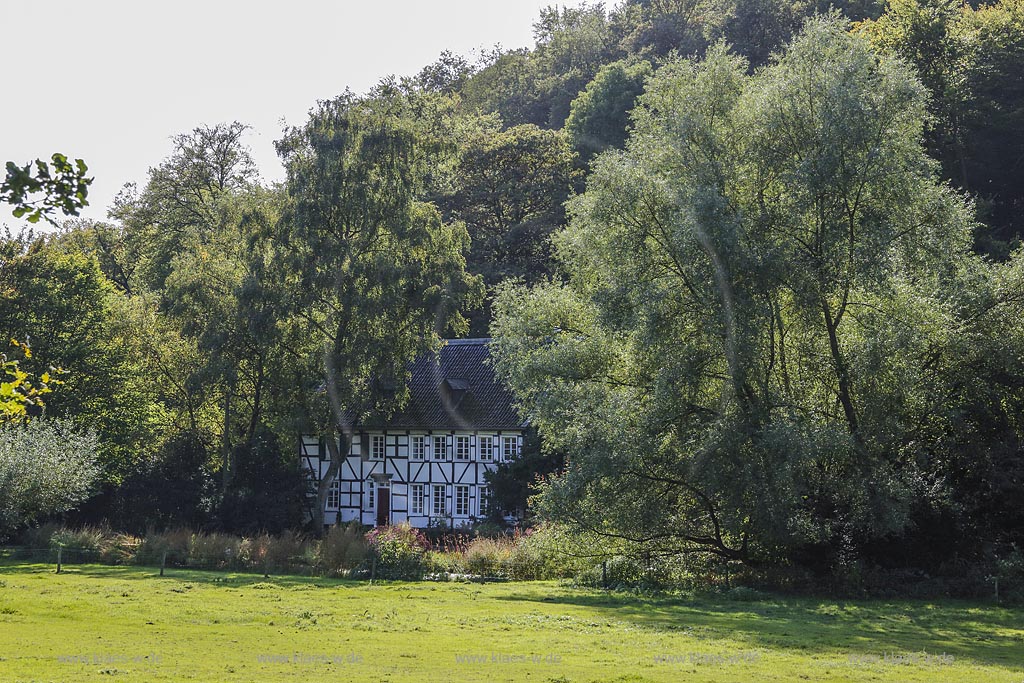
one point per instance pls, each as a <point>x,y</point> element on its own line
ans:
<point>383,506</point>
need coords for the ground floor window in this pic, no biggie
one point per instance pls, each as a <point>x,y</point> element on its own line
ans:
<point>462,501</point>
<point>485,500</point>
<point>334,495</point>
<point>416,496</point>
<point>437,500</point>
<point>370,498</point>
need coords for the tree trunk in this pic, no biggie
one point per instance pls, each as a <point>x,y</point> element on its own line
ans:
<point>841,370</point>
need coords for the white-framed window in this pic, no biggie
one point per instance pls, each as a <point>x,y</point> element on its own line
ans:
<point>418,447</point>
<point>440,448</point>
<point>462,501</point>
<point>417,495</point>
<point>334,495</point>
<point>438,504</point>
<point>371,498</point>
<point>486,448</point>
<point>377,447</point>
<point>485,500</point>
<point>509,447</point>
<point>462,448</point>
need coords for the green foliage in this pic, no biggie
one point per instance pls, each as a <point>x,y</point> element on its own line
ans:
<point>511,187</point>
<point>19,394</point>
<point>599,117</point>
<point>267,488</point>
<point>969,59</point>
<point>46,467</point>
<point>514,482</point>
<point>63,185</point>
<point>173,488</point>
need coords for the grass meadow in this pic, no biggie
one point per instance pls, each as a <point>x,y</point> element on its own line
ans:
<point>102,623</point>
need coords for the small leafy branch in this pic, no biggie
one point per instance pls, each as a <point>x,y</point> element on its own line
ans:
<point>63,185</point>
<point>17,389</point>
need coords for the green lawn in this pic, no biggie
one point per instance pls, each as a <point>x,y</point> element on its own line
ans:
<point>126,623</point>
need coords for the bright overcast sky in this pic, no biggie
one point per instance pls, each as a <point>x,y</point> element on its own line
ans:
<point>110,81</point>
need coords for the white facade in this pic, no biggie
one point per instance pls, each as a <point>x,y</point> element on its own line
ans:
<point>427,478</point>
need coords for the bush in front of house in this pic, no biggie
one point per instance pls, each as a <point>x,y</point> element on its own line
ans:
<point>398,551</point>
<point>343,549</point>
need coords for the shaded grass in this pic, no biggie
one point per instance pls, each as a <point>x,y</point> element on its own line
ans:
<point>96,622</point>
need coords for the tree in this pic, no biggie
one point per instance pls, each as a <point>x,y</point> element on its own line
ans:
<point>373,275</point>
<point>180,207</point>
<point>968,58</point>
<point>59,301</point>
<point>46,468</point>
<point>599,117</point>
<point>63,186</point>
<point>765,293</point>
<point>511,189</point>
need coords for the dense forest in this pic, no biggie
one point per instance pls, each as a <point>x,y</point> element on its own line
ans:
<point>753,266</point>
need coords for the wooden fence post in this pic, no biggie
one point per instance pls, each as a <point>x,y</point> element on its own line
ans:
<point>60,551</point>
<point>604,574</point>
<point>163,563</point>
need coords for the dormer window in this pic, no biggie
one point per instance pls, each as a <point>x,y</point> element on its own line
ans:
<point>454,390</point>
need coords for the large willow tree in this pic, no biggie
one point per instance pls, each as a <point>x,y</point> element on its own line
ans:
<point>768,313</point>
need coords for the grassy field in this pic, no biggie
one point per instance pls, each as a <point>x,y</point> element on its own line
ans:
<point>98,623</point>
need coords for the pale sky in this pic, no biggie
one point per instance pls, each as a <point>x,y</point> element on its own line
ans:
<point>110,81</point>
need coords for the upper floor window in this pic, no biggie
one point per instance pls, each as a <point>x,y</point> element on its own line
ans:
<point>509,447</point>
<point>440,448</point>
<point>462,448</point>
<point>377,447</point>
<point>418,448</point>
<point>487,448</point>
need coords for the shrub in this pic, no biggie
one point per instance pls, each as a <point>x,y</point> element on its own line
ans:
<point>155,543</point>
<point>213,550</point>
<point>440,562</point>
<point>489,556</point>
<point>398,551</point>
<point>344,548</point>
<point>88,544</point>
<point>121,549</point>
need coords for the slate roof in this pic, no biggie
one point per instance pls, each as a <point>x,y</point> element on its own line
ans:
<point>455,389</point>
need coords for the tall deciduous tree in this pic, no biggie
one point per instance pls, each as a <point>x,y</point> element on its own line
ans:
<point>766,291</point>
<point>374,276</point>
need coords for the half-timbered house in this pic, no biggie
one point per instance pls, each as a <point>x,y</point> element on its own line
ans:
<point>426,463</point>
